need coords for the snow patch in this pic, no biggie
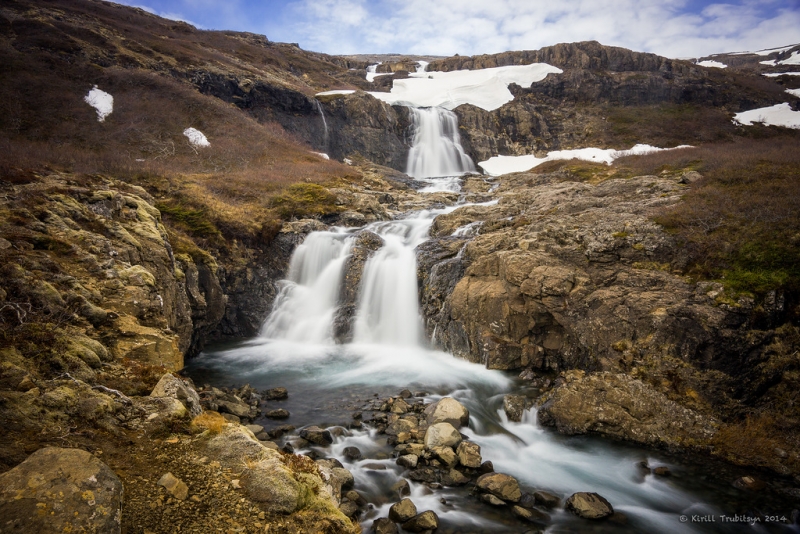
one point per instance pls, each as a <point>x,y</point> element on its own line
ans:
<point>196,137</point>
<point>101,101</point>
<point>337,92</point>
<point>484,88</point>
<point>715,64</point>
<point>372,74</point>
<point>777,115</point>
<point>770,62</point>
<point>776,74</point>
<point>794,59</point>
<point>323,155</point>
<point>794,92</point>
<point>499,165</point>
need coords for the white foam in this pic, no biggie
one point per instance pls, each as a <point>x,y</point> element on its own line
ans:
<point>196,137</point>
<point>101,101</point>
<point>777,115</point>
<point>499,165</point>
<point>484,88</point>
<point>337,92</point>
<point>715,64</point>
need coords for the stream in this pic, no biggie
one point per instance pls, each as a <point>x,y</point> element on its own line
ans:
<point>328,382</point>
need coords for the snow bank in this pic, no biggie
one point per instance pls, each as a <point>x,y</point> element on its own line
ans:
<point>507,164</point>
<point>794,59</point>
<point>372,74</point>
<point>101,101</point>
<point>196,137</point>
<point>794,92</point>
<point>323,155</point>
<point>770,62</point>
<point>776,74</point>
<point>777,115</point>
<point>337,92</point>
<point>715,64</point>
<point>484,88</point>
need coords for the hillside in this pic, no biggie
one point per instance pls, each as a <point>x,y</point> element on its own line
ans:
<point>133,238</point>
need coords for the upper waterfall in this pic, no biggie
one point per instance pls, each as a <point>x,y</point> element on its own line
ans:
<point>436,148</point>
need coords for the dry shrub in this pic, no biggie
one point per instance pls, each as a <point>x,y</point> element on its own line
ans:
<point>756,441</point>
<point>211,421</point>
<point>299,463</point>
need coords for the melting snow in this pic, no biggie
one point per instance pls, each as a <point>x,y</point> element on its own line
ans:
<point>196,137</point>
<point>485,88</point>
<point>775,74</point>
<point>715,64</point>
<point>101,101</point>
<point>372,72</point>
<point>507,164</point>
<point>777,115</point>
<point>337,92</point>
<point>794,92</point>
<point>794,59</point>
<point>323,155</point>
<point>770,62</point>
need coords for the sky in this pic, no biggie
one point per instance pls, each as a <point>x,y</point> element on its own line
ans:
<point>672,28</point>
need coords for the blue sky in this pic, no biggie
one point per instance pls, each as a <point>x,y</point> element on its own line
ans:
<point>674,28</point>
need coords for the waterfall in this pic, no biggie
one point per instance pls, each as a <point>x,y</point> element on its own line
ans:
<point>324,125</point>
<point>436,149</point>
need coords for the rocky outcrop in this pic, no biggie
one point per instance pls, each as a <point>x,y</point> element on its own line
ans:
<point>61,490</point>
<point>620,406</point>
<point>366,244</point>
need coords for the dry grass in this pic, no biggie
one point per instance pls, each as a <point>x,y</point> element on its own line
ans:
<point>211,421</point>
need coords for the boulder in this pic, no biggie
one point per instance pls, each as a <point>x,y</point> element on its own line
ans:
<point>172,386</point>
<point>469,454</point>
<point>384,526</point>
<point>401,487</point>
<point>446,455</point>
<point>447,410</point>
<point>454,477</point>
<point>548,500</point>
<point>589,505</point>
<point>352,453</point>
<point>276,394</point>
<point>61,490</point>
<point>422,522</point>
<point>280,413</point>
<point>400,426</point>
<point>402,511</point>
<point>317,435</point>
<point>500,485</point>
<point>515,405</point>
<point>530,514</point>
<point>442,435</point>
<point>237,408</point>
<point>408,460</point>
<point>488,498</point>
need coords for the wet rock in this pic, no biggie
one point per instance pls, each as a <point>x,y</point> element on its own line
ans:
<point>275,394</point>
<point>239,409</point>
<point>662,471</point>
<point>349,508</point>
<point>277,414</point>
<point>422,522</point>
<point>454,477</point>
<point>400,426</point>
<point>530,515</point>
<point>408,460</point>
<point>406,394</point>
<point>172,386</point>
<point>384,526</point>
<point>548,500</point>
<point>352,453</point>
<point>446,455</point>
<point>343,477</point>
<point>317,435</point>
<point>515,405</point>
<point>423,474</point>
<point>447,410</point>
<point>500,485</point>
<point>441,435</point>
<point>402,511</point>
<point>61,490</point>
<point>469,454</point>
<point>589,505</point>
<point>486,467</point>
<point>401,487</point>
<point>749,483</point>
<point>175,486</point>
<point>356,498</point>
<point>488,498</point>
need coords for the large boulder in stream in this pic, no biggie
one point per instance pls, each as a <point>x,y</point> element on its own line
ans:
<point>447,410</point>
<point>589,505</point>
<point>441,435</point>
<point>502,486</point>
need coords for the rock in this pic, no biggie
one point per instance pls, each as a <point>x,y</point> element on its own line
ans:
<point>356,498</point>
<point>401,487</point>
<point>446,455</point>
<point>662,471</point>
<point>231,418</point>
<point>172,386</point>
<point>399,406</point>
<point>531,515</point>
<point>623,407</point>
<point>515,405</point>
<point>317,435</point>
<point>352,453</point>
<point>491,499</point>
<point>469,454</point>
<point>61,490</point>
<point>441,435</point>
<point>275,394</point>
<point>749,483</point>
<point>349,508</point>
<point>500,485</point>
<point>239,409</point>
<point>343,477</point>
<point>454,477</point>
<point>408,460</point>
<point>401,426</point>
<point>589,505</point>
<point>402,511</point>
<point>486,467</point>
<point>422,522</point>
<point>447,410</point>
<point>406,394</point>
<point>384,526</point>
<point>255,429</point>
<point>175,486</point>
<point>423,474</point>
<point>277,414</point>
<point>690,177</point>
<point>548,500</point>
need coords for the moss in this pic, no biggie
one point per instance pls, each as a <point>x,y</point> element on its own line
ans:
<point>620,235</point>
<point>300,201</point>
<point>194,221</point>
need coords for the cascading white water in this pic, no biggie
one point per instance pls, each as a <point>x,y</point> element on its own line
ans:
<point>436,148</point>
<point>324,125</point>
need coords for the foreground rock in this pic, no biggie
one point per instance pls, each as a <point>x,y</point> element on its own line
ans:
<point>172,386</point>
<point>424,522</point>
<point>441,435</point>
<point>447,410</point>
<point>60,490</point>
<point>619,406</point>
<point>502,486</point>
<point>589,505</point>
